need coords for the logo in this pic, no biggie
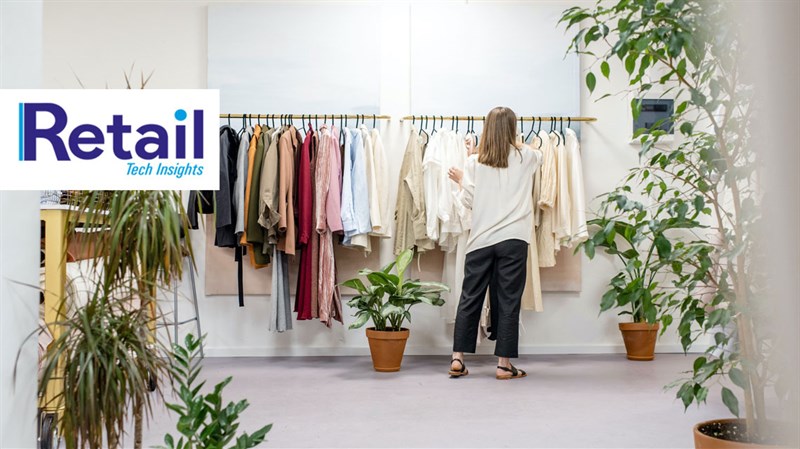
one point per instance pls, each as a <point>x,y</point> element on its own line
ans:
<point>110,139</point>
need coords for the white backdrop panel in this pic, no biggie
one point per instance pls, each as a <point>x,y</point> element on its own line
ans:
<point>289,58</point>
<point>469,57</point>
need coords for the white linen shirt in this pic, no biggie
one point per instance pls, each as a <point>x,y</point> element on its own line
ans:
<point>500,198</point>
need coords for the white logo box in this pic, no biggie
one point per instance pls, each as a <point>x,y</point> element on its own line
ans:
<point>162,139</point>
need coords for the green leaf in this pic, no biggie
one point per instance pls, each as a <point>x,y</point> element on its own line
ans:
<point>608,301</point>
<point>361,319</point>
<point>636,108</point>
<point>730,401</point>
<point>605,69</point>
<point>699,203</point>
<point>738,378</point>
<point>630,63</point>
<point>588,247</point>
<point>686,128</point>
<point>355,284</point>
<point>591,81</point>
<point>681,69</point>
<point>403,260</point>
<point>686,394</point>
<point>681,107</point>
<point>663,246</point>
<point>699,363</point>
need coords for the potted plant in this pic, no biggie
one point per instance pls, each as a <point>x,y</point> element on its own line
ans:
<point>692,51</point>
<point>387,301</point>
<point>105,360</point>
<point>639,237</point>
<point>137,240</point>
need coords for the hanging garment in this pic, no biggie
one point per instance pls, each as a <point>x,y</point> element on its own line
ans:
<point>199,202</point>
<point>256,234</point>
<point>431,180</point>
<point>314,243</point>
<point>287,146</point>
<point>545,238</point>
<point>268,216</point>
<point>239,184</point>
<point>537,143</point>
<point>305,228</point>
<point>563,226</point>
<point>410,207</point>
<point>455,227</point>
<point>225,235</point>
<point>383,227</point>
<point>362,241</point>
<point>281,306</point>
<point>328,184</point>
<point>355,193</point>
<point>251,154</point>
<point>578,231</point>
<point>450,224</point>
<point>532,295</point>
<point>453,275</point>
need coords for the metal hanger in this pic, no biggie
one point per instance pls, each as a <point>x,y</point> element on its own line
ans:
<point>374,121</point>
<point>533,125</point>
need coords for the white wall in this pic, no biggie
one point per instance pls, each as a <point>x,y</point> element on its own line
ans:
<point>20,67</point>
<point>171,39</point>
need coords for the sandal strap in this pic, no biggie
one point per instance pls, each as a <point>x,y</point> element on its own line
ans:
<point>463,367</point>
<point>511,370</point>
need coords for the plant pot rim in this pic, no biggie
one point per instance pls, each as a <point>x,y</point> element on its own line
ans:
<point>402,329</point>
<point>628,325</point>
<point>729,443</point>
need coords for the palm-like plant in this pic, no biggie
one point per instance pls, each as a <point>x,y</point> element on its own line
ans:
<point>138,241</point>
<point>108,360</point>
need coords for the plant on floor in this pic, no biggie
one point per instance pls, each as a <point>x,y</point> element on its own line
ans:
<point>204,420</point>
<point>647,242</point>
<point>388,298</point>
<point>691,50</point>
<point>137,236</point>
<point>104,360</point>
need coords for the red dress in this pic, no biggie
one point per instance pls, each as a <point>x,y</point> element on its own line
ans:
<point>305,221</point>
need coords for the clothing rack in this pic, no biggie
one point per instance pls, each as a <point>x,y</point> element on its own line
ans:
<point>449,118</point>
<point>309,116</point>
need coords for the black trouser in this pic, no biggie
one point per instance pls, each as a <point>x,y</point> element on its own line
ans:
<point>502,265</point>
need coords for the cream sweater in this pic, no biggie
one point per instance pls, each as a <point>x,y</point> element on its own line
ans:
<point>499,198</point>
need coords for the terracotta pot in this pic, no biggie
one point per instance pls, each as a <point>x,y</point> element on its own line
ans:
<point>387,349</point>
<point>640,340</point>
<point>703,441</point>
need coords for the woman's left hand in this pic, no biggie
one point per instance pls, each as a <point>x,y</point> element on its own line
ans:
<point>455,174</point>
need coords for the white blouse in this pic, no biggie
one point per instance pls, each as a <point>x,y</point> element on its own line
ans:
<point>500,198</point>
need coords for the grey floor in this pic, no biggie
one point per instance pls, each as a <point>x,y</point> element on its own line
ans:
<point>587,401</point>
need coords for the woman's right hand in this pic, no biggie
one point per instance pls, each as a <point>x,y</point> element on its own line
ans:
<point>456,174</point>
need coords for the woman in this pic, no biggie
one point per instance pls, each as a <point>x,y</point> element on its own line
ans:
<point>496,186</point>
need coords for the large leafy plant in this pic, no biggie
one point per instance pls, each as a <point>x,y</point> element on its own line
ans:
<point>641,238</point>
<point>388,297</point>
<point>204,420</point>
<point>691,50</point>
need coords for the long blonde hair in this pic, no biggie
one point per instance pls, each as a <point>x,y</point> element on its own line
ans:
<point>499,135</point>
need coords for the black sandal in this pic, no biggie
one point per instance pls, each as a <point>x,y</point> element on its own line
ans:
<point>458,373</point>
<point>515,373</point>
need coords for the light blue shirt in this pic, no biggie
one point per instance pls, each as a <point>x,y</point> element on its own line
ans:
<point>355,196</point>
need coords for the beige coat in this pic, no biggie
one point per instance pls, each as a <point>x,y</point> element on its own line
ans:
<point>410,208</point>
<point>545,239</point>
